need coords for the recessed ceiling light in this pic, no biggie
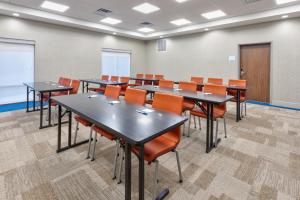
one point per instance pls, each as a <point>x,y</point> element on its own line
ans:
<point>180,22</point>
<point>114,33</point>
<point>146,30</point>
<point>54,6</point>
<point>206,29</point>
<point>161,36</point>
<point>146,8</point>
<point>214,14</point>
<point>181,1</point>
<point>109,20</point>
<point>16,14</point>
<point>284,1</point>
<point>284,16</point>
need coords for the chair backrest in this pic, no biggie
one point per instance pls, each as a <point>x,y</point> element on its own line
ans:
<point>217,81</point>
<point>135,96</point>
<point>139,75</point>
<point>216,89</point>
<point>104,77</point>
<point>149,76</point>
<point>139,82</point>
<point>114,78</point>
<point>188,86</point>
<point>166,84</point>
<point>124,79</point>
<point>242,83</point>
<point>197,79</point>
<point>169,103</point>
<point>159,76</point>
<point>112,91</point>
<point>75,86</point>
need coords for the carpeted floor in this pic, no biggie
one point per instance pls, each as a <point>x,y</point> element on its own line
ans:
<point>260,159</point>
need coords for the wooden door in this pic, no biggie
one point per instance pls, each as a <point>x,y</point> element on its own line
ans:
<point>255,68</point>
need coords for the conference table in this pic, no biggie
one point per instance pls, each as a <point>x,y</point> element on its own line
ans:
<point>86,82</point>
<point>152,80</point>
<point>198,97</point>
<point>124,120</point>
<point>238,90</point>
<point>47,87</point>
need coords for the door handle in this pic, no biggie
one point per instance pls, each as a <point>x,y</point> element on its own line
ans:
<point>242,71</point>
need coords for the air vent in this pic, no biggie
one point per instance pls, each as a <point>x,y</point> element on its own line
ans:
<point>162,45</point>
<point>146,24</point>
<point>103,12</point>
<point>250,1</point>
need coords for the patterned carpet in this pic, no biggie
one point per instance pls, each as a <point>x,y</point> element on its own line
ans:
<point>260,159</point>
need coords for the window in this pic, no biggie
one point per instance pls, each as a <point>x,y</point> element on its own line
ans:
<point>17,67</point>
<point>115,63</point>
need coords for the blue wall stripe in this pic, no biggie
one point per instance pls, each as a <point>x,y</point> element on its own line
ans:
<point>271,105</point>
<point>16,106</point>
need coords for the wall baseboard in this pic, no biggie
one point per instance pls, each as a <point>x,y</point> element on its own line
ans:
<point>286,104</point>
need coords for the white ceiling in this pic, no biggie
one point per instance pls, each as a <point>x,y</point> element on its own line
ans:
<point>82,14</point>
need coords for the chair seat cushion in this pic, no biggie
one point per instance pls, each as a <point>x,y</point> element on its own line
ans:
<point>188,104</point>
<point>155,148</point>
<point>82,121</point>
<point>104,133</point>
<point>218,113</point>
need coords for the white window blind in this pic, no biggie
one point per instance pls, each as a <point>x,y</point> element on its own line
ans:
<point>17,67</point>
<point>115,63</point>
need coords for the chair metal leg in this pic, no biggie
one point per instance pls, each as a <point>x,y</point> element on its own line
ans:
<point>90,143</point>
<point>155,184</point>
<point>225,129</point>
<point>121,166</point>
<point>95,142</point>
<point>178,165</point>
<point>116,159</point>
<point>242,115</point>
<point>189,128</point>
<point>245,108</point>
<point>76,132</point>
<point>199,123</point>
<point>195,124</point>
<point>217,129</point>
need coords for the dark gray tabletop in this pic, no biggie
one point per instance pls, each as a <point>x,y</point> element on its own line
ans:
<point>102,82</point>
<point>121,119</point>
<point>48,86</point>
<point>144,79</point>
<point>198,96</point>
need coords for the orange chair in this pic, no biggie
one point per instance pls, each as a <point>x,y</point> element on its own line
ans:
<point>75,86</point>
<point>198,80</point>
<point>166,84</point>
<point>219,110</point>
<point>241,83</point>
<point>158,77</point>
<point>135,96</point>
<point>166,142</point>
<point>114,78</point>
<point>124,87</point>
<point>216,81</point>
<point>163,84</point>
<point>100,89</point>
<point>148,76</point>
<point>138,82</point>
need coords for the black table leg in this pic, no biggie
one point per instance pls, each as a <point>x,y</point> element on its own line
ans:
<point>59,130</point>
<point>211,125</point>
<point>70,130</point>
<point>83,86</point>
<point>141,173</point>
<point>87,87</point>
<point>27,99</point>
<point>127,171</point>
<point>207,128</point>
<point>49,110</point>
<point>238,106</point>
<point>34,100</point>
<point>41,110</point>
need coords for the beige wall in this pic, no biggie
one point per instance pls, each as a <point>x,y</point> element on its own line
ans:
<point>67,51</point>
<point>206,54</point>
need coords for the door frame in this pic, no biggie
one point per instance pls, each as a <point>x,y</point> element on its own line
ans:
<point>271,63</point>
